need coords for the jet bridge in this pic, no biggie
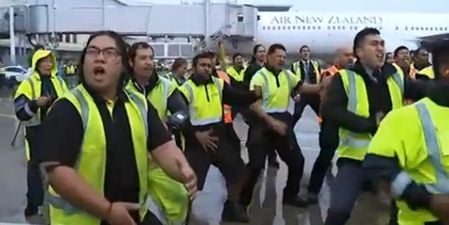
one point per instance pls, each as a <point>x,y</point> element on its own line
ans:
<point>202,25</point>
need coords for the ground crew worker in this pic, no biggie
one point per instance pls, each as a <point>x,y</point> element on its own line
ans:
<point>179,71</point>
<point>206,141</point>
<point>421,59</point>
<point>309,72</point>
<point>33,98</point>
<point>402,60</point>
<point>274,127</point>
<point>168,194</point>
<point>237,70</point>
<point>258,60</point>
<point>97,138</point>
<point>412,166</point>
<point>357,99</point>
<point>328,136</point>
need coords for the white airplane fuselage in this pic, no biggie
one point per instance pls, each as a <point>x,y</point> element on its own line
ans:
<point>324,32</point>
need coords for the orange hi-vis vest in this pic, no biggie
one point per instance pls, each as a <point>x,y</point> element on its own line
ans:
<point>227,114</point>
<point>331,71</point>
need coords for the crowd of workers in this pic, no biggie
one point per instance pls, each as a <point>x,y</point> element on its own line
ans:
<point>127,133</point>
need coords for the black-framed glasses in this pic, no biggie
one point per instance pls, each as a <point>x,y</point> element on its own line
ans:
<point>108,53</point>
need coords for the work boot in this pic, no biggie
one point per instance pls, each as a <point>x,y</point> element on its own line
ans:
<point>234,212</point>
<point>295,201</point>
<point>31,210</point>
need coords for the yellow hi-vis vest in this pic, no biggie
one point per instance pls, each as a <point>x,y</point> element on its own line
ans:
<point>354,145</point>
<point>428,71</point>
<point>169,195</point>
<point>275,98</point>
<point>422,149</point>
<point>238,76</point>
<point>297,70</point>
<point>205,101</point>
<point>158,95</point>
<point>91,164</point>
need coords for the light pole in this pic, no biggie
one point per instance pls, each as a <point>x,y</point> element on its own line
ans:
<point>12,36</point>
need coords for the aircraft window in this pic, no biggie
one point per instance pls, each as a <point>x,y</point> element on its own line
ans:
<point>343,28</point>
<point>298,27</point>
<point>313,27</point>
<point>380,28</point>
<point>431,28</point>
<point>303,27</point>
<point>263,28</point>
<point>333,27</point>
<point>422,28</point>
<point>279,27</point>
<point>328,27</point>
<point>406,28</point>
<point>445,29</point>
<point>283,28</point>
<point>397,28</point>
<point>308,27</point>
<point>319,27</point>
<point>288,28</point>
<point>441,28</point>
<point>356,28</point>
<point>427,28</point>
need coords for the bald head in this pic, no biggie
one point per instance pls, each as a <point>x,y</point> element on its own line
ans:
<point>344,57</point>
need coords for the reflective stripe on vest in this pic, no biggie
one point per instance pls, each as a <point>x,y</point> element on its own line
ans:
<point>63,212</point>
<point>433,148</point>
<point>266,93</point>
<point>194,120</point>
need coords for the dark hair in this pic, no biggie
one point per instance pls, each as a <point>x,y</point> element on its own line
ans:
<point>275,47</point>
<point>138,45</point>
<point>400,48</point>
<point>235,56</point>
<point>203,55</point>
<point>255,49</point>
<point>420,49</point>
<point>303,47</point>
<point>178,63</point>
<point>387,54</point>
<point>440,54</point>
<point>121,47</point>
<point>360,37</point>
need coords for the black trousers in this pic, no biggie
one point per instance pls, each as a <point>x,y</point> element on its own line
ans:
<point>35,192</point>
<point>261,141</point>
<point>313,100</point>
<point>232,136</point>
<point>225,158</point>
<point>328,140</point>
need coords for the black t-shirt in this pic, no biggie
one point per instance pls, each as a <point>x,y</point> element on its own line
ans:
<point>63,135</point>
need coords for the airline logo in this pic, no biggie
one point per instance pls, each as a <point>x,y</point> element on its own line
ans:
<point>329,20</point>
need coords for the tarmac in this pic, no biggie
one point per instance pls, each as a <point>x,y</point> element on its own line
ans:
<point>266,209</point>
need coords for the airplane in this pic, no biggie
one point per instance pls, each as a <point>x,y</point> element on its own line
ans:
<point>324,32</point>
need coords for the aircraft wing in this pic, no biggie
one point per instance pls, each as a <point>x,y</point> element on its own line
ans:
<point>428,40</point>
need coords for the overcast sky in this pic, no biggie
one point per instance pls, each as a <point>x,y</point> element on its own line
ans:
<point>428,6</point>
